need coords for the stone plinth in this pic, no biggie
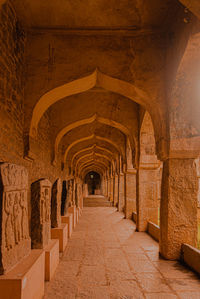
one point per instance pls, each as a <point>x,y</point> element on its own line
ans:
<point>60,233</point>
<point>51,258</point>
<point>40,213</point>
<point>15,242</point>
<point>72,210</point>
<point>56,204</point>
<point>26,280</point>
<point>68,219</point>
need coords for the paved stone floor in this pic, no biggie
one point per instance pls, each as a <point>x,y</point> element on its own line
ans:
<point>106,258</point>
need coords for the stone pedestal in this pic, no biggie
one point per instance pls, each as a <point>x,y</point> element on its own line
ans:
<point>26,280</point>
<point>68,219</point>
<point>72,210</point>
<point>51,258</point>
<point>130,204</point>
<point>178,222</point>
<point>60,233</point>
<point>121,204</point>
<point>147,201</point>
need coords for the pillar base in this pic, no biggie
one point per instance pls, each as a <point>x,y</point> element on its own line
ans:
<point>72,210</point>
<point>51,258</point>
<point>60,233</point>
<point>68,219</point>
<point>26,280</point>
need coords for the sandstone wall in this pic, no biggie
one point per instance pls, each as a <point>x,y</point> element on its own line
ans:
<point>13,77</point>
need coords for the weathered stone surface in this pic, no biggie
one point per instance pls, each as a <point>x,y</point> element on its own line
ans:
<point>178,223</point>
<point>56,204</point>
<point>130,205</point>
<point>40,213</point>
<point>14,227</point>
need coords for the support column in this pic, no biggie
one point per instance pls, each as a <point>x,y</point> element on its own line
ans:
<point>121,204</point>
<point>111,190</point>
<point>130,201</point>
<point>178,206</point>
<point>116,191</point>
<point>147,201</point>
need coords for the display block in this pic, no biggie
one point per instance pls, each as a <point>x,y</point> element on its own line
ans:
<point>26,280</point>
<point>69,220</point>
<point>60,233</point>
<point>51,258</point>
<point>72,210</point>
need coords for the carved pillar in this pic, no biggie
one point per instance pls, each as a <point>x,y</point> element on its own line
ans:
<point>130,205</point>
<point>121,204</point>
<point>56,204</point>
<point>178,206</point>
<point>116,191</point>
<point>40,213</point>
<point>147,201</point>
<point>14,227</point>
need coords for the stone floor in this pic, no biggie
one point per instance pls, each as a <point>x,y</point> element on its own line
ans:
<point>106,258</point>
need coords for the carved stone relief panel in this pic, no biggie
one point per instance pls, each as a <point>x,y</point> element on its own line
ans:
<point>56,204</point>
<point>40,213</point>
<point>15,241</point>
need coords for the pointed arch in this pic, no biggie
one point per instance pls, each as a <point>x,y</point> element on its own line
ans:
<point>93,154</point>
<point>84,84</point>
<point>88,138</point>
<point>90,148</point>
<point>90,120</point>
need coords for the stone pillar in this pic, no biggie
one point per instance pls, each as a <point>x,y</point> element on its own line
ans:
<point>14,227</point>
<point>147,201</point>
<point>121,204</point>
<point>106,186</point>
<point>56,204</point>
<point>85,190</point>
<point>116,191</point>
<point>111,190</point>
<point>178,206</point>
<point>40,213</point>
<point>130,205</point>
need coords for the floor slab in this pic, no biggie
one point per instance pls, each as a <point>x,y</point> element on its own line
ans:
<point>107,258</point>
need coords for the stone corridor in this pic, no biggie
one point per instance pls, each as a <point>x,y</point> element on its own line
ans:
<point>106,258</point>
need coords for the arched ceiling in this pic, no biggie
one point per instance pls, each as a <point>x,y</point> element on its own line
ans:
<point>96,13</point>
<point>92,113</point>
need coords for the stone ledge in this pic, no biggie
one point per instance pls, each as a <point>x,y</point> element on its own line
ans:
<point>154,231</point>
<point>191,256</point>
<point>26,280</point>
<point>60,233</point>
<point>51,258</point>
